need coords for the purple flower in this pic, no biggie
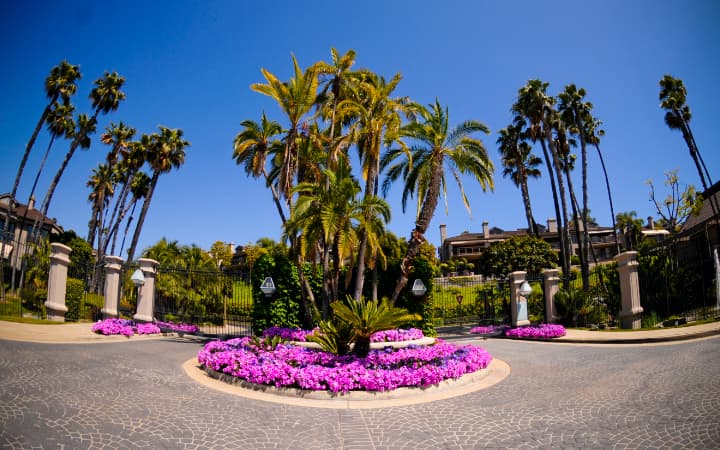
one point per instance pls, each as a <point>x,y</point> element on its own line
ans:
<point>304,368</point>
<point>178,327</point>
<point>543,331</point>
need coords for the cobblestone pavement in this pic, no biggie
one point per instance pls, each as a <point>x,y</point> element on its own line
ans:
<point>135,395</point>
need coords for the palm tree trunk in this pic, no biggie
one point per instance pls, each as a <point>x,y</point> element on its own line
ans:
<point>607,186</point>
<point>561,240</point>
<point>532,229</point>
<point>143,214</point>
<point>417,236</point>
<point>579,234</point>
<point>362,250</point>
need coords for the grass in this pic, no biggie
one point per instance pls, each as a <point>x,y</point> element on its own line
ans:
<point>30,320</point>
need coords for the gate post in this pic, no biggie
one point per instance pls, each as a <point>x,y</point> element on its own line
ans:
<point>113,264</point>
<point>57,281</point>
<point>146,295</point>
<point>518,304</point>
<point>631,311</point>
<point>552,285</point>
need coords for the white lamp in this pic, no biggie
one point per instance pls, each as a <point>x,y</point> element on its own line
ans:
<point>138,278</point>
<point>525,289</point>
<point>268,287</point>
<point>418,288</point>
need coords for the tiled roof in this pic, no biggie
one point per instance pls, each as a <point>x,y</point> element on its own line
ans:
<point>21,210</point>
<point>706,211</point>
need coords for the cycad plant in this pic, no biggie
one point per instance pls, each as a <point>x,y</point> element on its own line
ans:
<point>354,322</point>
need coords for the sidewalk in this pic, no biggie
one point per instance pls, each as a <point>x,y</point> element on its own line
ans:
<point>80,333</point>
<point>611,337</point>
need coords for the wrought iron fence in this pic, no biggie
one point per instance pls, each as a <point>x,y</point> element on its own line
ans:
<point>84,292</point>
<point>219,304</point>
<point>468,300</point>
<point>678,281</point>
<point>596,305</point>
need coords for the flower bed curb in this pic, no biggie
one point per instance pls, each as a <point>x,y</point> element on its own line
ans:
<point>496,371</point>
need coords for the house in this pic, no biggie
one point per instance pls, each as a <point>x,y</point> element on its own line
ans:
<point>19,227</point>
<point>699,236</point>
<point>471,246</point>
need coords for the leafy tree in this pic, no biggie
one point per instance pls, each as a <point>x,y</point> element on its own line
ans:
<point>221,253</point>
<point>631,228</point>
<point>422,167</point>
<point>677,206</point>
<point>526,253</point>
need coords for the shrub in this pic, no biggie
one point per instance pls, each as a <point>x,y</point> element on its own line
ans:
<point>74,291</point>
<point>283,308</point>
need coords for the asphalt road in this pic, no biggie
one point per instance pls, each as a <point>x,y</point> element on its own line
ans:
<point>135,395</point>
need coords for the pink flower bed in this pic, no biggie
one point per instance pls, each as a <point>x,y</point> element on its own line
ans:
<point>543,331</point>
<point>382,370</point>
<point>126,327</point>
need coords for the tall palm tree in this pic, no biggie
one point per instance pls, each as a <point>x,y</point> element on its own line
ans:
<point>673,97</point>
<point>519,164</point>
<point>422,166</point>
<point>536,106</point>
<point>134,181</point>
<point>593,133</point>
<point>575,112</point>
<point>251,148</point>
<point>59,85</point>
<point>105,97</point>
<point>118,136</point>
<point>375,117</point>
<point>165,152</point>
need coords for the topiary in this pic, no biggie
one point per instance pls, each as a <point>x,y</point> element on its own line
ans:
<point>74,290</point>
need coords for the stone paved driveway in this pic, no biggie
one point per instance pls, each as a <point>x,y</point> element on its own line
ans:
<point>134,395</point>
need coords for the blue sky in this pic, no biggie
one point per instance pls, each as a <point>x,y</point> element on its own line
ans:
<point>189,65</point>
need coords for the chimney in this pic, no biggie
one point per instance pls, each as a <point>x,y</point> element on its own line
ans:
<point>552,226</point>
<point>443,233</point>
<point>651,223</point>
<point>31,203</point>
<point>486,230</point>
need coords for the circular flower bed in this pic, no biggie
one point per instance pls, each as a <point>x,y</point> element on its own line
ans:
<point>126,327</point>
<point>289,365</point>
<point>543,331</point>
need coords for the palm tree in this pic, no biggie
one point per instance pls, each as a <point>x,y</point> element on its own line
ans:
<point>296,98</point>
<point>673,96</point>
<point>60,84</point>
<point>535,105</point>
<point>105,97</point>
<point>575,113</point>
<point>375,117</point>
<point>165,152</point>
<point>630,226</point>
<point>337,77</point>
<point>519,164</point>
<point>251,148</point>
<point>423,170</point>
<point>593,133</point>
<point>118,137</point>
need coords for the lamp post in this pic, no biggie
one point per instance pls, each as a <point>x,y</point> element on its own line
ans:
<point>459,299</point>
<point>525,289</point>
<point>418,288</point>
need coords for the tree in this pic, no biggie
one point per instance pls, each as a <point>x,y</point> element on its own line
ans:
<point>536,107</point>
<point>673,97</point>
<point>677,206</point>
<point>60,84</point>
<point>375,117</point>
<point>422,166</point>
<point>519,164</point>
<point>165,152</point>
<point>105,97</point>
<point>593,135</point>
<point>631,228</point>
<point>526,253</point>
<point>222,253</point>
<point>251,148</point>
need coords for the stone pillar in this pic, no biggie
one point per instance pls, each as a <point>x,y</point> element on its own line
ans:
<point>57,282</point>
<point>552,285</point>
<point>518,304</point>
<point>146,295</point>
<point>113,264</point>
<point>631,311</point>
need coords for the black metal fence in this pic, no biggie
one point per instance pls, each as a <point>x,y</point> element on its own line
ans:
<point>467,300</point>
<point>219,304</point>
<point>678,281</point>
